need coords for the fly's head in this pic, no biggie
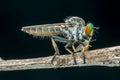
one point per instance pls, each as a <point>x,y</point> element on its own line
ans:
<point>86,34</point>
<point>89,32</point>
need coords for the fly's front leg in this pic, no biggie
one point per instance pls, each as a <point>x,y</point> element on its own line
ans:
<point>83,54</point>
<point>55,48</point>
<point>73,53</point>
<point>85,48</point>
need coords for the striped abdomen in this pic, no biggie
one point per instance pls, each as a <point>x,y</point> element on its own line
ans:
<point>45,30</point>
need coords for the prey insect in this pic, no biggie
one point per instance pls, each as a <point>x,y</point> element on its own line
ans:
<point>73,31</point>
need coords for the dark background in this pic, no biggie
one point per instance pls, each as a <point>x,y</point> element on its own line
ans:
<point>15,44</point>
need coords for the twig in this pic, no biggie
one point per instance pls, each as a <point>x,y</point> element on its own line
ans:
<point>100,57</point>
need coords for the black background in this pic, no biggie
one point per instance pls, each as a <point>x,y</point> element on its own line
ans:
<point>15,44</point>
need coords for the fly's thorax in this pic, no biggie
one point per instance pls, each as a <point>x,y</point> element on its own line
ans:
<point>81,33</point>
<point>75,21</point>
<point>75,33</point>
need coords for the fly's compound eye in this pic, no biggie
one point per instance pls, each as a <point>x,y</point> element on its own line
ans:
<point>89,29</point>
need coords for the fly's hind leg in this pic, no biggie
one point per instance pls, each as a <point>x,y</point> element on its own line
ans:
<point>55,48</point>
<point>73,53</point>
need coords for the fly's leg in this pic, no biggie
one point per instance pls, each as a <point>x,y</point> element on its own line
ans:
<point>85,48</point>
<point>66,47</point>
<point>55,48</point>
<point>73,47</point>
<point>73,53</point>
<point>83,54</point>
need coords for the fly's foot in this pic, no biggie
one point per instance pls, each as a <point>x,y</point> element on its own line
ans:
<point>56,50</point>
<point>84,59</point>
<point>74,58</point>
<point>54,56</point>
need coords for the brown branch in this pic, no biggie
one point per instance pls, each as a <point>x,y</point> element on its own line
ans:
<point>100,57</point>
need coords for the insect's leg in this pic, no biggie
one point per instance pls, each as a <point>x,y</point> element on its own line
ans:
<point>83,54</point>
<point>73,47</point>
<point>73,54</point>
<point>79,48</point>
<point>55,48</point>
<point>85,48</point>
<point>74,58</point>
<point>66,47</point>
<point>60,39</point>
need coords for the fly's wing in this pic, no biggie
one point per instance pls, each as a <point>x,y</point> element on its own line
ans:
<point>46,29</point>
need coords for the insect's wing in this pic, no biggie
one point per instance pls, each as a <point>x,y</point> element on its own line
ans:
<point>46,29</point>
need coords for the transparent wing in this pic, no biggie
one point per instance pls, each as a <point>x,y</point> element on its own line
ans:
<point>46,29</point>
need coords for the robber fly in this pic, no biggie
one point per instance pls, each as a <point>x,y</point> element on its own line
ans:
<point>73,31</point>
